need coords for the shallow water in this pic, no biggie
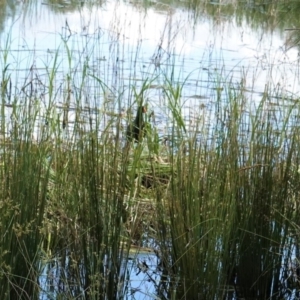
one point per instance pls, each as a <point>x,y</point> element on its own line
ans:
<point>124,43</point>
<point>56,281</point>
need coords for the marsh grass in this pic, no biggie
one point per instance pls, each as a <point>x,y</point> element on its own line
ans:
<point>230,204</point>
<point>216,204</point>
<point>223,207</point>
<point>24,181</point>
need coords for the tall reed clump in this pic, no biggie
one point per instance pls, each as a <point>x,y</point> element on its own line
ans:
<point>63,185</point>
<point>62,210</point>
<point>229,202</point>
<point>24,182</point>
<point>98,194</point>
<point>86,206</point>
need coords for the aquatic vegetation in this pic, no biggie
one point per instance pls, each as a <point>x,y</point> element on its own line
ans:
<point>89,182</point>
<point>223,206</point>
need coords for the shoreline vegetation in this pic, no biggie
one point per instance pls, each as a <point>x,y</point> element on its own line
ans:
<point>212,200</point>
<point>218,211</point>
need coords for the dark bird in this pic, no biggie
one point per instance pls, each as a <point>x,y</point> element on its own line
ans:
<point>64,124</point>
<point>135,131</point>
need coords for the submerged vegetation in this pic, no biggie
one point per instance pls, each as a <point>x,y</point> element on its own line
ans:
<point>94,193</point>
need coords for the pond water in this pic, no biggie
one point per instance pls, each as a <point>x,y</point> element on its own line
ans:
<point>91,55</point>
<point>56,281</point>
<point>124,43</point>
